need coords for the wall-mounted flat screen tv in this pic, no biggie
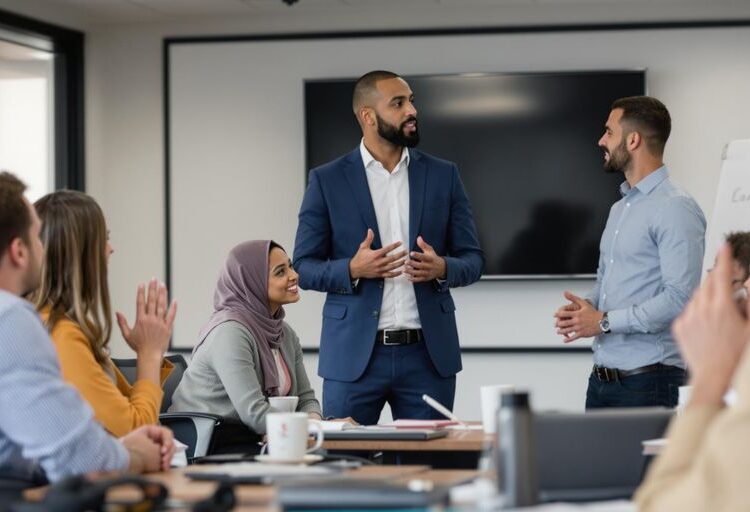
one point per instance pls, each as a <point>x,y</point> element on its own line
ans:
<point>526,148</point>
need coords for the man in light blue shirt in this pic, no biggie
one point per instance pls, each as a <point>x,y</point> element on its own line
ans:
<point>46,431</point>
<point>649,264</point>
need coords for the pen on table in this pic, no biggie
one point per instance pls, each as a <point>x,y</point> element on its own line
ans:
<point>442,409</point>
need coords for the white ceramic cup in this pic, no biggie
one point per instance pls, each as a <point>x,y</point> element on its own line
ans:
<point>683,396</point>
<point>287,435</point>
<point>489,399</point>
<point>283,403</point>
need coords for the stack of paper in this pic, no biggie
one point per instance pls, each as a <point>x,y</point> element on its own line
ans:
<point>654,446</point>
<point>333,426</point>
<point>432,424</point>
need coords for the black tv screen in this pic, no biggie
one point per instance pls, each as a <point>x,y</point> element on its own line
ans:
<point>526,148</point>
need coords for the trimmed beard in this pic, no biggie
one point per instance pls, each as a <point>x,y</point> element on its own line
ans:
<point>618,159</point>
<point>397,136</point>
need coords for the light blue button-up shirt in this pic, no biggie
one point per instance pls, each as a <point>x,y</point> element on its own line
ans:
<point>44,424</point>
<point>650,260</point>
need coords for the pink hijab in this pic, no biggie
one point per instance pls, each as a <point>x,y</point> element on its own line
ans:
<point>242,295</point>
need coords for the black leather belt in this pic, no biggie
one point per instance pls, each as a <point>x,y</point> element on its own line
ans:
<point>399,337</point>
<point>613,374</point>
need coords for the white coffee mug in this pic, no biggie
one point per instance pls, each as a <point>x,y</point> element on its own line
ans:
<point>489,399</point>
<point>287,435</point>
<point>683,396</point>
<point>283,403</point>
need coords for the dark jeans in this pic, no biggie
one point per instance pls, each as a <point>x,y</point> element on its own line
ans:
<point>657,388</point>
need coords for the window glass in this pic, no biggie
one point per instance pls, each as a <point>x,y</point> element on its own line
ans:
<point>26,116</point>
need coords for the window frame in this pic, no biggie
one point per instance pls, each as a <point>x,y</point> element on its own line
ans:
<point>67,45</point>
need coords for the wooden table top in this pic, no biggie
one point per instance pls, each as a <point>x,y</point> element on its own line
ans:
<point>456,440</point>
<point>261,497</point>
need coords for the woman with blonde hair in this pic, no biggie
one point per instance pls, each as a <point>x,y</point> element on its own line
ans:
<point>73,300</point>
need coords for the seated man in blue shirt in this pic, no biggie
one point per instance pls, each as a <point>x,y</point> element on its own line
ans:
<point>649,264</point>
<point>46,431</point>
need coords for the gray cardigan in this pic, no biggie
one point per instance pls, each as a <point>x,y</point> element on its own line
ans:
<point>225,377</point>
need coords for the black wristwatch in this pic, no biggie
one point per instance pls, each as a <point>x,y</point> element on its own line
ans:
<point>604,324</point>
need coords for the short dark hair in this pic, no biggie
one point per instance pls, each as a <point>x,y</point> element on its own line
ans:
<point>15,219</point>
<point>648,116</point>
<point>739,241</point>
<point>366,86</point>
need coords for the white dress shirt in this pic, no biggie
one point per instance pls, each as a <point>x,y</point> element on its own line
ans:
<point>390,197</point>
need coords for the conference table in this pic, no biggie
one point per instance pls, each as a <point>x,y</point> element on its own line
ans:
<point>460,449</point>
<point>184,491</point>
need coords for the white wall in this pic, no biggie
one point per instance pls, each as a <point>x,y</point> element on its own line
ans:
<point>237,145</point>
<point>237,165</point>
<point>125,161</point>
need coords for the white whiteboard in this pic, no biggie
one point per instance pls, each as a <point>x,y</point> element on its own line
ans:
<point>732,207</point>
<point>236,145</point>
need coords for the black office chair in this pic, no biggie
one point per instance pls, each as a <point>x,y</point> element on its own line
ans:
<point>203,433</point>
<point>128,369</point>
<point>597,455</point>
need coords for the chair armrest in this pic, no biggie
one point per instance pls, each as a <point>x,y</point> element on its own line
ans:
<point>174,416</point>
<point>207,434</point>
<point>195,429</point>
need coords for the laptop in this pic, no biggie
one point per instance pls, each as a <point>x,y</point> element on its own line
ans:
<point>385,434</point>
<point>257,472</point>
<point>331,494</point>
<point>595,455</point>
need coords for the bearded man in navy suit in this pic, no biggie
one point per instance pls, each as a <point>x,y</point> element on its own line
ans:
<point>386,231</point>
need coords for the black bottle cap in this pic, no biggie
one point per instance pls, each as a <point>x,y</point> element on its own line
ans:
<point>515,399</point>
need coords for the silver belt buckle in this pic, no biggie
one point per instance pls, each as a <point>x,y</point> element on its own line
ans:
<point>385,337</point>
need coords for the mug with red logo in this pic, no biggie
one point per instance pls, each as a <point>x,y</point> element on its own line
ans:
<point>288,433</point>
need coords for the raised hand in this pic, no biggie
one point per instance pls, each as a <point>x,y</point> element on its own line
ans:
<point>376,263</point>
<point>712,333</point>
<point>578,319</point>
<point>153,322</point>
<point>426,265</point>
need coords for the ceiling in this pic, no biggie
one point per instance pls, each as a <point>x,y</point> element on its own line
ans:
<point>98,12</point>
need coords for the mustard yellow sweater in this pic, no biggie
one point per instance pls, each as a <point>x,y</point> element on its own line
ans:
<point>119,408</point>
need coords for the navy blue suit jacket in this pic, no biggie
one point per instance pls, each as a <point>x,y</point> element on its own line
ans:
<point>336,211</point>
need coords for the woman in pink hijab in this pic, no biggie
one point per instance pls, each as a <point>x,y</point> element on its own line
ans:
<point>246,352</point>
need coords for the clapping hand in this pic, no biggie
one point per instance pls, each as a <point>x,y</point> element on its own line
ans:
<point>153,321</point>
